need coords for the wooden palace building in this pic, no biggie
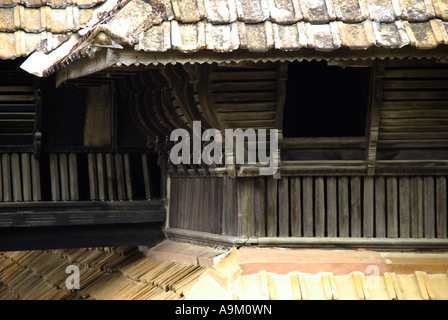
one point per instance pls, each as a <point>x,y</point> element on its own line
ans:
<point>91,91</point>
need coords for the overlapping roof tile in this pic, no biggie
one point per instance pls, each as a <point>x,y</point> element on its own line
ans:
<point>26,25</point>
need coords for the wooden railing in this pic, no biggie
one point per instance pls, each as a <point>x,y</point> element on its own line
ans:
<point>61,176</point>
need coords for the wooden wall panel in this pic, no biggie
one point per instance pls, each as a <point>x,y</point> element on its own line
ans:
<point>314,206</point>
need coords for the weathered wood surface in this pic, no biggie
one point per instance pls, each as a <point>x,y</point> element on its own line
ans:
<point>394,207</point>
<point>414,110</point>
<point>25,214</point>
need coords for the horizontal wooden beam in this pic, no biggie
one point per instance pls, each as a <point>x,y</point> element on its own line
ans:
<point>33,214</point>
<point>324,142</point>
<point>306,242</point>
<point>82,236</point>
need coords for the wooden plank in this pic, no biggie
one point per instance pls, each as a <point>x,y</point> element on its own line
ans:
<point>412,129</point>
<point>93,176</point>
<point>413,105</point>
<point>415,73</point>
<point>35,179</point>
<point>429,207</point>
<point>296,206</point>
<point>146,176</point>
<point>415,84</point>
<point>415,95</point>
<point>403,114</point>
<point>238,86</point>
<point>308,210</point>
<point>343,207</point>
<point>368,207</point>
<point>271,221</point>
<point>319,196</point>
<point>6,170</point>
<point>246,106</point>
<point>127,174</point>
<point>436,135</point>
<point>101,172</point>
<point>230,211</point>
<point>416,207</point>
<point>16,177</point>
<point>380,207</point>
<point>240,75</point>
<point>111,181</point>
<point>283,207</point>
<point>441,207</point>
<point>415,122</point>
<point>16,97</point>
<point>260,206</point>
<point>392,207</point>
<point>405,207</point>
<point>64,178</point>
<point>119,173</point>
<point>332,207</point>
<point>54,176</point>
<point>73,176</point>
<point>355,207</point>
<point>1,180</point>
<point>26,177</point>
<point>245,206</point>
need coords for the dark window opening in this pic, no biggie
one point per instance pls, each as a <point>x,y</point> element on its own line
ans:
<point>325,101</point>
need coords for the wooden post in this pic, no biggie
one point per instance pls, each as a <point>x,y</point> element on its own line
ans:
<point>373,116</point>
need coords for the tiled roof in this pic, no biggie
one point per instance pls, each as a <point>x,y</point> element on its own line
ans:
<point>174,270</point>
<point>165,27</point>
<point>323,25</point>
<point>27,24</point>
<point>105,274</point>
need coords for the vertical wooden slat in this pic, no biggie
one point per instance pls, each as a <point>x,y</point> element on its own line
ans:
<point>332,207</point>
<point>54,173</point>
<point>111,181</point>
<point>35,179</point>
<point>416,209</point>
<point>404,205</point>
<point>1,179</point>
<point>355,206</point>
<point>101,176</point>
<point>64,180</point>
<point>429,207</point>
<point>296,207</point>
<point>119,173</point>
<point>73,176</point>
<point>283,207</point>
<point>6,168</point>
<point>228,214</point>
<point>308,210</point>
<point>319,195</point>
<point>392,207</point>
<point>16,177</point>
<point>260,206</point>
<point>93,176</point>
<point>441,207</point>
<point>245,206</point>
<point>343,207</point>
<point>380,207</point>
<point>174,202</point>
<point>271,222</point>
<point>127,172</point>
<point>26,177</point>
<point>146,176</point>
<point>368,207</point>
